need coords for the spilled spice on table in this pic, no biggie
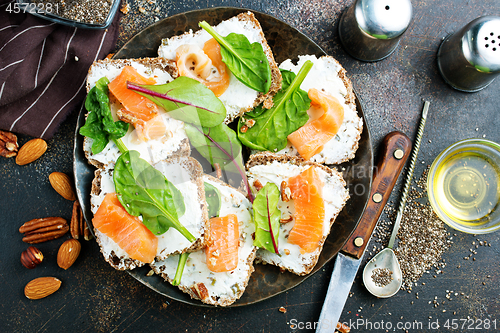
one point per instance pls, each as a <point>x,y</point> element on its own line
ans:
<point>422,236</point>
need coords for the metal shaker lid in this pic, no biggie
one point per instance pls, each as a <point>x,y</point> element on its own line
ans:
<point>481,44</point>
<point>383,19</point>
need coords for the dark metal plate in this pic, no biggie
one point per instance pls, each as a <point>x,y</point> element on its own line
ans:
<point>286,42</point>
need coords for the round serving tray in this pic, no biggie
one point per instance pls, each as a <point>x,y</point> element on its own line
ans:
<point>286,43</point>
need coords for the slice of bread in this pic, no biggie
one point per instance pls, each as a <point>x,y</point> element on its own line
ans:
<point>327,75</point>
<point>238,98</point>
<point>268,167</point>
<point>174,143</point>
<point>185,173</point>
<point>221,288</point>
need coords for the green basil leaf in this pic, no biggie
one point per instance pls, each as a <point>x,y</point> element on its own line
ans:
<point>289,113</point>
<point>99,124</point>
<point>143,190</point>
<point>185,99</point>
<point>246,61</point>
<point>266,216</point>
<point>220,145</point>
<point>212,197</point>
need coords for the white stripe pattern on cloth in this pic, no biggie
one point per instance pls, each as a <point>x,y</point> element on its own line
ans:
<point>83,83</point>
<point>11,64</point>
<point>9,26</point>
<point>48,85</point>
<point>1,91</point>
<point>25,30</point>
<point>39,62</point>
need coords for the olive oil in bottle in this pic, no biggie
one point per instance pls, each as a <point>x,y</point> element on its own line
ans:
<point>467,187</point>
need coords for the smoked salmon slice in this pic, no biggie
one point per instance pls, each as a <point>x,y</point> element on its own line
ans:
<point>310,138</point>
<point>309,216</point>
<point>222,252</point>
<point>152,129</point>
<point>198,64</point>
<point>125,230</point>
<point>135,106</point>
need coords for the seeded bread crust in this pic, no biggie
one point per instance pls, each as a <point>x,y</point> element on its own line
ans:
<point>267,158</point>
<point>275,72</point>
<point>153,63</point>
<point>350,100</point>
<point>196,173</point>
<point>220,301</point>
<point>120,263</point>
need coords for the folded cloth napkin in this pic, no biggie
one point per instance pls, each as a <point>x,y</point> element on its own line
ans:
<point>43,69</point>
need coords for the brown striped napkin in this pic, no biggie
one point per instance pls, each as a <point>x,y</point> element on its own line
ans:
<point>43,67</point>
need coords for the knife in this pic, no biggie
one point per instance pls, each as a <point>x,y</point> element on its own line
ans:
<point>396,148</point>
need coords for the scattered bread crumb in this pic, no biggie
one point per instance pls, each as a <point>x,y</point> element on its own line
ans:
<point>125,8</point>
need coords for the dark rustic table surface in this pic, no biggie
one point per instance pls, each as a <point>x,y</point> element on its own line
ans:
<point>96,298</point>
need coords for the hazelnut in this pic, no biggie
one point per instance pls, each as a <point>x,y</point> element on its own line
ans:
<point>31,257</point>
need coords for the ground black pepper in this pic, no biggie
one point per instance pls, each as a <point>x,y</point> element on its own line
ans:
<point>85,11</point>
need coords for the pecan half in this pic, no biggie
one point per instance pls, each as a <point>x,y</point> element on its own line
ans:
<point>285,192</point>
<point>75,224</point>
<point>44,229</point>
<point>78,226</point>
<point>8,144</point>
<point>258,185</point>
<point>200,290</point>
<point>86,231</point>
<point>45,236</point>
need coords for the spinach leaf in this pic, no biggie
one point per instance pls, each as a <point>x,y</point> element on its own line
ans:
<point>212,196</point>
<point>185,99</point>
<point>220,145</point>
<point>99,125</point>
<point>143,190</point>
<point>246,61</point>
<point>266,216</point>
<point>289,113</point>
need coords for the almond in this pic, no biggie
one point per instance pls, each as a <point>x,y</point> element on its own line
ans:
<point>62,184</point>
<point>68,252</point>
<point>30,151</point>
<point>41,287</point>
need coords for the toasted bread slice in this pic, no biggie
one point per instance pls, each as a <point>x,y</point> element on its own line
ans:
<point>238,98</point>
<point>185,173</point>
<point>269,167</point>
<point>221,288</point>
<point>328,76</point>
<point>175,142</point>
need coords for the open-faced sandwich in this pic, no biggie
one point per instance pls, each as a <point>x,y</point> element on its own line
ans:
<point>198,55</point>
<point>153,204</point>
<point>219,273</point>
<point>313,115</point>
<point>306,199</point>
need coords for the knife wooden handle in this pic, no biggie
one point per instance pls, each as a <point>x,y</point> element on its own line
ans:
<point>396,148</point>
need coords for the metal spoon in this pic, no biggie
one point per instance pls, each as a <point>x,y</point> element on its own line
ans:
<point>382,275</point>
